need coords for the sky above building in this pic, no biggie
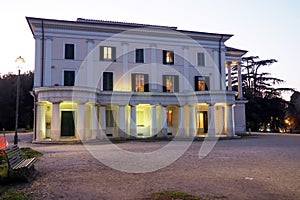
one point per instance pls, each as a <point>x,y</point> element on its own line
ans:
<point>265,28</point>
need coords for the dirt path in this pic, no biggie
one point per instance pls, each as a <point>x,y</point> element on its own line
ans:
<point>261,167</point>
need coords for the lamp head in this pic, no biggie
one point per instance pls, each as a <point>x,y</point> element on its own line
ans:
<point>20,62</point>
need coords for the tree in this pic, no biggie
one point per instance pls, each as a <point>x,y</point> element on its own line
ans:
<point>293,114</point>
<point>266,107</point>
<point>8,87</point>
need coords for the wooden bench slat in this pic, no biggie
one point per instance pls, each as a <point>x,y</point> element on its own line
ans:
<point>15,159</point>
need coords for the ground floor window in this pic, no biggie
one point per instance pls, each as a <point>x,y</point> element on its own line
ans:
<point>110,119</point>
<point>202,121</point>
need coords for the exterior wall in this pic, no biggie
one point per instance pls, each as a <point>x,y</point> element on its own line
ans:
<point>90,104</point>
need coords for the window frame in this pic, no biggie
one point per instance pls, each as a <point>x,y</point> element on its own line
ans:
<point>175,83</point>
<point>74,51</point>
<point>113,53</point>
<point>135,55</point>
<point>63,76</point>
<point>203,62</point>
<point>164,56</point>
<point>206,80</point>
<point>133,82</point>
<point>108,86</point>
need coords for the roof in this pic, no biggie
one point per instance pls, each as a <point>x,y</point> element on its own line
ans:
<point>230,51</point>
<point>114,26</point>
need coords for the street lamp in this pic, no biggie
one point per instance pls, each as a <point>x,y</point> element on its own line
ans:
<point>20,61</point>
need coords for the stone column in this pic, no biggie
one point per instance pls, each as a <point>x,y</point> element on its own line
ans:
<point>133,121</point>
<point>48,63</point>
<point>192,129</point>
<point>229,121</point>
<point>217,73</point>
<point>41,122</point>
<point>181,130</point>
<point>94,121</point>
<point>211,121</point>
<point>164,126</point>
<point>240,81</point>
<point>102,121</point>
<point>153,74</point>
<point>122,118</point>
<point>55,122</point>
<point>223,74</point>
<point>153,120</point>
<point>229,76</point>
<point>90,69</point>
<point>38,62</point>
<point>80,125</point>
<point>186,68</point>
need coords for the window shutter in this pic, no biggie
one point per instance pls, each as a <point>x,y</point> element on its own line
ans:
<point>196,83</point>
<point>114,54</point>
<point>101,53</point>
<point>146,82</point>
<point>201,59</point>
<point>164,57</point>
<point>164,83</point>
<point>207,83</point>
<point>105,81</point>
<point>69,51</point>
<point>133,82</point>
<point>110,81</point>
<point>69,78</point>
<point>176,84</point>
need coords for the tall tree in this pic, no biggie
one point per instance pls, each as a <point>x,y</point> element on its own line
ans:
<point>266,107</point>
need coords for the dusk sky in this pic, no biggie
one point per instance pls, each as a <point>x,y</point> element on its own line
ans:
<point>265,28</point>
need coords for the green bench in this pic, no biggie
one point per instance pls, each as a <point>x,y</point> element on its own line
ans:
<point>15,160</point>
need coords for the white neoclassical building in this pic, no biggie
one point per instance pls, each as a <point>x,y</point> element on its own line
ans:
<point>96,79</point>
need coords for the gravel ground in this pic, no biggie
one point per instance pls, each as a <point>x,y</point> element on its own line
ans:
<point>264,166</point>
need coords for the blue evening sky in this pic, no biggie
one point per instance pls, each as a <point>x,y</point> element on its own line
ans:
<point>266,28</point>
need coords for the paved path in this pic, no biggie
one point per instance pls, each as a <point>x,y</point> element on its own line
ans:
<point>266,166</point>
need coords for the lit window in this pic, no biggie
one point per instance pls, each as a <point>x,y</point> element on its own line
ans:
<point>139,55</point>
<point>107,53</point>
<point>140,83</point>
<point>169,117</point>
<point>201,83</point>
<point>168,57</point>
<point>170,83</point>
<point>201,59</point>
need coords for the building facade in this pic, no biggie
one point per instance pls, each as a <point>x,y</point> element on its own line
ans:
<point>96,79</point>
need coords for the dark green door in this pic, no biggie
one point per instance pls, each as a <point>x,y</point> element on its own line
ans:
<point>67,123</point>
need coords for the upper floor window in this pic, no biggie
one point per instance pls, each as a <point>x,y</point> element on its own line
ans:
<point>69,51</point>
<point>170,83</point>
<point>108,81</point>
<point>139,55</point>
<point>140,82</point>
<point>200,59</point>
<point>69,78</point>
<point>168,57</point>
<point>202,83</point>
<point>108,53</point>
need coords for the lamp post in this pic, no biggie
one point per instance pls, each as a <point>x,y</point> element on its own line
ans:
<point>20,61</point>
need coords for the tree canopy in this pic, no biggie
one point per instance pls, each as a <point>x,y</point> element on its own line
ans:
<point>8,90</point>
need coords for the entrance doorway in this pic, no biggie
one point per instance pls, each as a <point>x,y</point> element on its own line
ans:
<point>202,122</point>
<point>67,124</point>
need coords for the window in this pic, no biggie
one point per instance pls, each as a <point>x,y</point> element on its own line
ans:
<point>139,55</point>
<point>170,83</point>
<point>108,53</point>
<point>69,78</point>
<point>69,51</point>
<point>169,117</point>
<point>168,57</point>
<point>140,82</point>
<point>108,81</point>
<point>200,59</point>
<point>110,121</point>
<point>201,83</point>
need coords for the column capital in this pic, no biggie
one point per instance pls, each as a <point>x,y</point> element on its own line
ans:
<point>90,41</point>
